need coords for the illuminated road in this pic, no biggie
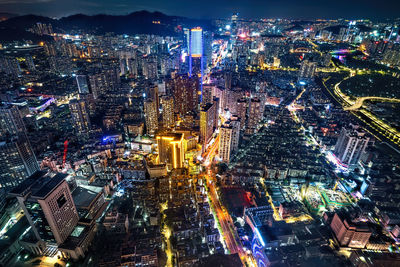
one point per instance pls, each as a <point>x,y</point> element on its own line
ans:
<point>380,127</point>
<point>360,101</point>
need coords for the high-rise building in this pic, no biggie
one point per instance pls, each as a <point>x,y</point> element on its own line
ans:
<point>83,87</point>
<point>80,116</point>
<point>10,66</point>
<point>229,138</point>
<point>196,53</point>
<point>256,112</point>
<point>151,92</point>
<point>11,123</point>
<point>17,161</point>
<point>185,90</point>
<point>307,69</point>
<point>167,114</point>
<point>241,111</point>
<point>171,149</point>
<point>150,68</point>
<point>151,116</point>
<point>207,122</point>
<point>48,205</point>
<point>351,144</point>
<point>353,235</point>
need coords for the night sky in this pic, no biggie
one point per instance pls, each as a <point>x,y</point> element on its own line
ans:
<point>353,9</point>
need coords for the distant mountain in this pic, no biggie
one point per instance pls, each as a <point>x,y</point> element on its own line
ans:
<point>137,22</point>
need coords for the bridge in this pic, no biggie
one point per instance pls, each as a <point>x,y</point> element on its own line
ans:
<point>360,101</point>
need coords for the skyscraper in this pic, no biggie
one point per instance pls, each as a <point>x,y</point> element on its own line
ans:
<point>17,161</point>
<point>80,116</point>
<point>11,123</point>
<point>167,106</point>
<point>151,116</point>
<point>171,149</point>
<point>351,144</point>
<point>196,53</point>
<point>185,90</point>
<point>207,122</point>
<point>229,138</point>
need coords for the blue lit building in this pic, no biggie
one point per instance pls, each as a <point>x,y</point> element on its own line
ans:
<point>194,39</point>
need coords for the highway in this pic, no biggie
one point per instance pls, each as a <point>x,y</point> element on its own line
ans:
<point>381,128</point>
<point>360,101</point>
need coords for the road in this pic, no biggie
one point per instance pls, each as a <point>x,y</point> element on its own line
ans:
<point>360,101</point>
<point>381,128</point>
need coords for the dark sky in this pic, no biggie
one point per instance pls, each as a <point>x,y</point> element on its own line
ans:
<point>353,9</point>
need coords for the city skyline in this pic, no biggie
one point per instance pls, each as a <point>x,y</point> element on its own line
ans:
<point>163,141</point>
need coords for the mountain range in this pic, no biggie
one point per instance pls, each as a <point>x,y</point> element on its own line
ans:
<point>140,22</point>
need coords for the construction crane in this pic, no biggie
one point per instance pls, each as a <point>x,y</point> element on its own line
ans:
<point>65,153</point>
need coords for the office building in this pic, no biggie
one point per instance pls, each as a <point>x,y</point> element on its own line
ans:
<point>207,122</point>
<point>349,234</point>
<point>80,116</point>
<point>48,205</point>
<point>167,113</point>
<point>151,116</point>
<point>351,144</point>
<point>171,149</point>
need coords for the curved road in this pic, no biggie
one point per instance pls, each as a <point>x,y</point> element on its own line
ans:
<point>360,101</point>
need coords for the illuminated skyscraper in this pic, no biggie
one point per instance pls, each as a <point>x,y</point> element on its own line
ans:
<point>167,106</point>
<point>80,116</point>
<point>196,54</point>
<point>151,116</point>
<point>171,149</point>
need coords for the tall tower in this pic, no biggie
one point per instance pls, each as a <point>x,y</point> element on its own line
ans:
<point>80,116</point>
<point>168,115</point>
<point>196,55</point>
<point>151,116</point>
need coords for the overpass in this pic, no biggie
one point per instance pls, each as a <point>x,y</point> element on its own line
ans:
<point>360,101</point>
